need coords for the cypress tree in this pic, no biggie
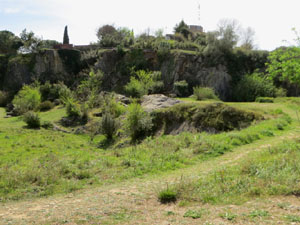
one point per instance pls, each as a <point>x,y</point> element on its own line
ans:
<point>66,36</point>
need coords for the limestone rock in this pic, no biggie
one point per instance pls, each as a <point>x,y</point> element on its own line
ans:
<point>157,101</point>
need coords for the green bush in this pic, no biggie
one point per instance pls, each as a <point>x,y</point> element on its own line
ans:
<point>144,82</point>
<point>47,125</point>
<point>135,88</point>
<point>181,88</point>
<point>280,92</point>
<point>108,126</point>
<point>28,98</point>
<point>167,196</point>
<point>264,100</point>
<point>202,93</point>
<point>138,122</point>
<point>252,86</point>
<point>32,119</point>
<point>73,109</point>
<point>110,105</point>
<point>45,106</point>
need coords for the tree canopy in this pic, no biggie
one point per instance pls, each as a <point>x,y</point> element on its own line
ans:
<point>9,43</point>
<point>284,64</point>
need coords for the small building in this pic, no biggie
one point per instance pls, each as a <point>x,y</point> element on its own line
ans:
<point>63,46</point>
<point>196,28</point>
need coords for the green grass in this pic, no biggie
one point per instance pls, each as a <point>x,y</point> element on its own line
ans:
<point>272,171</point>
<point>42,162</point>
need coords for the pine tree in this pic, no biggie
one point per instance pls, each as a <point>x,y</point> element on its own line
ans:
<point>66,36</point>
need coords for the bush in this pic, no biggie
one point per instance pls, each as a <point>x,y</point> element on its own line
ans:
<point>167,196</point>
<point>202,93</point>
<point>47,125</point>
<point>135,88</point>
<point>138,122</point>
<point>280,92</point>
<point>73,109</point>
<point>181,88</point>
<point>45,106</point>
<point>32,119</point>
<point>143,83</point>
<point>108,126</point>
<point>264,100</point>
<point>111,106</point>
<point>252,86</point>
<point>28,98</point>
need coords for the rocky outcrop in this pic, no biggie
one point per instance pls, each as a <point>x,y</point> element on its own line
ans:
<point>157,101</point>
<point>46,65</point>
<point>190,67</point>
<point>191,117</point>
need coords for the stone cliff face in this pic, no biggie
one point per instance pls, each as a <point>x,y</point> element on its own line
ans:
<point>46,65</point>
<point>191,68</point>
<point>174,68</point>
<point>69,65</point>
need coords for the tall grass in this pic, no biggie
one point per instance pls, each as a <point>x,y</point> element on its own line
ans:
<point>55,162</point>
<point>273,171</point>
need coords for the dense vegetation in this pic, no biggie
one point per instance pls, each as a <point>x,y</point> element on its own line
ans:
<point>72,119</point>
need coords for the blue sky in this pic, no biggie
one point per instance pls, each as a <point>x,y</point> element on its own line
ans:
<point>272,20</point>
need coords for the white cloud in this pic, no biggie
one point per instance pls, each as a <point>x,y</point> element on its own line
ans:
<point>11,10</point>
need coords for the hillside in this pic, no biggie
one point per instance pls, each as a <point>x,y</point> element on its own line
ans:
<point>120,184</point>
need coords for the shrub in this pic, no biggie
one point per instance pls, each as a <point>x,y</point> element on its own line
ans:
<point>135,88</point>
<point>158,85</point>
<point>181,88</point>
<point>110,105</point>
<point>252,86</point>
<point>167,196</point>
<point>63,91</point>
<point>47,125</point>
<point>202,93</point>
<point>32,119</point>
<point>90,86</point>
<point>264,100</point>
<point>45,106</point>
<point>280,92</point>
<point>73,109</point>
<point>138,122</point>
<point>28,98</point>
<point>108,126</point>
<point>144,82</point>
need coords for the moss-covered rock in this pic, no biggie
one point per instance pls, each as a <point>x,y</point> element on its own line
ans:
<point>213,117</point>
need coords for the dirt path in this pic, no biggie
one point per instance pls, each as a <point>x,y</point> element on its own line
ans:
<point>135,201</point>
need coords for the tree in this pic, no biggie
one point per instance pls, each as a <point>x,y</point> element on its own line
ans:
<point>182,28</point>
<point>284,64</point>
<point>9,43</point>
<point>66,40</point>
<point>228,33</point>
<point>106,31</point>
<point>31,43</point>
<point>247,38</point>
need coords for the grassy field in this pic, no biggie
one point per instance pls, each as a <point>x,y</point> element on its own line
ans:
<point>207,169</point>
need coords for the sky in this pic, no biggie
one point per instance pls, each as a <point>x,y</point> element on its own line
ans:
<point>272,20</point>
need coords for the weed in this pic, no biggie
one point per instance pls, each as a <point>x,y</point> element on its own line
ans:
<point>228,216</point>
<point>258,213</point>
<point>193,214</point>
<point>292,218</point>
<point>167,196</point>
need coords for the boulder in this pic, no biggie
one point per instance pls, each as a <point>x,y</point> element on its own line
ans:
<point>157,101</point>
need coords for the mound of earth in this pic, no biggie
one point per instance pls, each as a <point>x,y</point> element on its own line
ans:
<point>157,101</point>
<point>213,118</point>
